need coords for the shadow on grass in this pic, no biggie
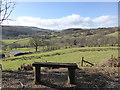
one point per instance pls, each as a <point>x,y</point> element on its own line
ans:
<point>59,80</point>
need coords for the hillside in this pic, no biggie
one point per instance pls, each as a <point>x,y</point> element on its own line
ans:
<point>21,31</point>
<point>72,55</point>
<point>13,32</point>
<point>98,31</point>
<point>20,36</point>
<point>115,34</point>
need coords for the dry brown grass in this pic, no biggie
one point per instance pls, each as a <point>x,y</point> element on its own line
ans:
<point>112,62</point>
<point>86,77</point>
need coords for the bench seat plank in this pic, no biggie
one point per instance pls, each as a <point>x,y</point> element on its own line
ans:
<point>51,64</point>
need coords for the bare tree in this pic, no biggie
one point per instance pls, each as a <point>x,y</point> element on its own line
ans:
<point>35,42</point>
<point>6,8</point>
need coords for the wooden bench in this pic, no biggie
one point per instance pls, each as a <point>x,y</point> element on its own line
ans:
<point>71,70</point>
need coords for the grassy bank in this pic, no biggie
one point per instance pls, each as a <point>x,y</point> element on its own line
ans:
<point>73,55</point>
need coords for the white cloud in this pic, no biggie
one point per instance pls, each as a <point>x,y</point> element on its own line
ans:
<point>106,20</point>
<point>71,21</point>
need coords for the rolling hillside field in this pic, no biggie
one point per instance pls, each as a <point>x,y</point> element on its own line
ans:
<point>98,46</point>
<point>73,55</point>
<point>115,34</point>
<point>72,44</point>
<point>19,41</point>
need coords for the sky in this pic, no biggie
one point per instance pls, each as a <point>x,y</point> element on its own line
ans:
<point>62,15</point>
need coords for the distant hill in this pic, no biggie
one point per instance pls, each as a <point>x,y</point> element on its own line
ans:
<point>21,31</point>
<point>13,32</point>
<point>85,32</point>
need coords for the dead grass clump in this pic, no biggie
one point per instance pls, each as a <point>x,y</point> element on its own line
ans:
<point>112,62</point>
<point>25,67</point>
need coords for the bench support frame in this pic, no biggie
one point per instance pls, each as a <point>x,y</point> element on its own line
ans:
<point>71,70</point>
<point>37,75</point>
<point>71,75</point>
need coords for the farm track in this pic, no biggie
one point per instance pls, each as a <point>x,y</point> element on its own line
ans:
<point>58,53</point>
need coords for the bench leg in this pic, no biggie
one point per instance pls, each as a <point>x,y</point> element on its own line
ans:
<point>37,75</point>
<point>71,75</point>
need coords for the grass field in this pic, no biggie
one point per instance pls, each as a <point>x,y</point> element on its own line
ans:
<point>73,55</point>
<point>115,34</point>
<point>19,41</point>
<point>30,49</point>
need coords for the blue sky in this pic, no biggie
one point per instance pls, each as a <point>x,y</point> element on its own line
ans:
<point>71,14</point>
<point>48,10</point>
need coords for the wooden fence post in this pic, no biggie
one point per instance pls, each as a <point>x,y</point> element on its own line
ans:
<point>82,61</point>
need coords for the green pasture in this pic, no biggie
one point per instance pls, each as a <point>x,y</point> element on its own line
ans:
<point>8,41</point>
<point>115,34</point>
<point>61,51</point>
<point>29,49</point>
<point>19,41</point>
<point>73,55</point>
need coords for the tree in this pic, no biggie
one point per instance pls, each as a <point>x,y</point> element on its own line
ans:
<point>6,8</point>
<point>35,42</point>
<point>75,42</point>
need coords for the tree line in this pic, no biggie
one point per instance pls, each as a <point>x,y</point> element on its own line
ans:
<point>59,43</point>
